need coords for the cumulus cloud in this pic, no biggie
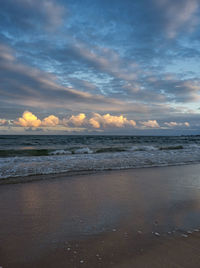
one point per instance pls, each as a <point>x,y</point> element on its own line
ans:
<point>77,120</point>
<point>186,124</point>
<point>94,122</point>
<point>3,122</point>
<point>83,122</point>
<point>50,121</point>
<point>108,120</point>
<point>150,124</point>
<point>98,121</point>
<point>175,124</point>
<point>28,119</point>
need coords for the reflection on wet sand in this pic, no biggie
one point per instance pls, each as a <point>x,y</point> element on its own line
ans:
<point>105,212</point>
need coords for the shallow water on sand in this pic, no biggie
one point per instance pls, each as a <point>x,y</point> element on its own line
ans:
<point>42,217</point>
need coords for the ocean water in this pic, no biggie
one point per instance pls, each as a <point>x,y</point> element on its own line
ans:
<point>27,155</point>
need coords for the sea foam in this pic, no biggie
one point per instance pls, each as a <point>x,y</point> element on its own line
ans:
<point>23,166</point>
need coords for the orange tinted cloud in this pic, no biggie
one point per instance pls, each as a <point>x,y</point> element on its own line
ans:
<point>50,121</point>
<point>3,122</point>
<point>95,122</point>
<point>28,119</point>
<point>77,120</point>
<point>110,120</point>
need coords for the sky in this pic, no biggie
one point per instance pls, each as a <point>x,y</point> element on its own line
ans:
<point>100,67</point>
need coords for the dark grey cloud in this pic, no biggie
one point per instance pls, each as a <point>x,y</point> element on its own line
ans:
<point>22,15</point>
<point>177,90</point>
<point>23,84</point>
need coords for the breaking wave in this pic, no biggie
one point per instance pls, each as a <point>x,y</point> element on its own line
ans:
<point>23,156</point>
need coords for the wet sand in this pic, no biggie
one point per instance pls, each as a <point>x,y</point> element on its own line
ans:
<point>131,218</point>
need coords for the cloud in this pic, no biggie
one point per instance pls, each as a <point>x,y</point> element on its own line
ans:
<point>33,88</point>
<point>22,84</point>
<point>186,124</point>
<point>6,53</point>
<point>31,14</point>
<point>98,121</point>
<point>50,121</point>
<point>150,124</point>
<point>108,120</point>
<point>28,119</point>
<point>77,120</point>
<point>104,60</point>
<point>126,78</point>
<point>175,88</point>
<point>175,124</point>
<point>3,122</point>
<point>94,122</point>
<point>116,65</point>
<point>179,15</point>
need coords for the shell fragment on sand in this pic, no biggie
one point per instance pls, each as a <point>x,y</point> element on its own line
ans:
<point>156,233</point>
<point>184,235</point>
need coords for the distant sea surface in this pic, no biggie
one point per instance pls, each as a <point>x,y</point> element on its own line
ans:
<point>28,155</point>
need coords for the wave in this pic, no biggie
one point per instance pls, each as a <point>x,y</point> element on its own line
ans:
<point>110,150</point>
<point>100,149</point>
<point>176,147</point>
<point>143,148</point>
<point>83,151</point>
<point>64,161</point>
<point>28,152</point>
<point>43,152</point>
<point>60,152</point>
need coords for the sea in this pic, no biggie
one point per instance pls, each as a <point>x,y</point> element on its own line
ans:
<point>24,155</point>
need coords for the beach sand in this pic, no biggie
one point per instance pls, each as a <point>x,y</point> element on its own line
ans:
<point>132,218</point>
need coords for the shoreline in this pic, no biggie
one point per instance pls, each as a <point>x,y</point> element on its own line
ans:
<point>61,175</point>
<point>147,217</point>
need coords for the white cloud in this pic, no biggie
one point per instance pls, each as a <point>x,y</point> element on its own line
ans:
<point>175,124</point>
<point>150,124</point>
